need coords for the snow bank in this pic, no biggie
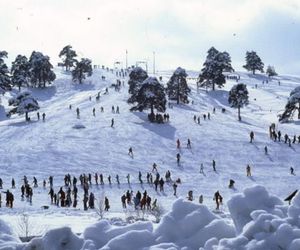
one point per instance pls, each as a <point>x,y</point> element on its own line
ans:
<point>261,223</point>
<point>265,225</point>
<point>191,225</point>
<point>254,198</point>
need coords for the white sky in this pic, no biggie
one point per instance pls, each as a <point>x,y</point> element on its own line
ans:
<point>180,32</point>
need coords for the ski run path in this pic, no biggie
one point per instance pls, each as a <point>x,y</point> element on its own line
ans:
<point>55,148</point>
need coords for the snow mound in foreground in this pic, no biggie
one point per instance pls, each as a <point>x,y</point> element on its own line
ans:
<point>261,222</point>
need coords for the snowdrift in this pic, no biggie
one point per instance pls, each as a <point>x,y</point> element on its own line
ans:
<point>260,221</point>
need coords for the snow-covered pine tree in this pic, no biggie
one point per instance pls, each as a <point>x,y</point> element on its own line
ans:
<point>5,82</point>
<point>212,73</point>
<point>136,77</point>
<point>238,97</point>
<point>40,70</point>
<point>23,103</point>
<point>253,62</point>
<point>82,69</point>
<point>292,105</point>
<point>271,71</point>
<point>20,71</point>
<point>151,95</point>
<point>68,56</point>
<point>177,88</point>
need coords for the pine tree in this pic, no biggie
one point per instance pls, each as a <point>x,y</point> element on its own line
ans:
<point>136,77</point>
<point>68,56</point>
<point>82,69</point>
<point>238,97</point>
<point>253,62</point>
<point>20,71</point>
<point>177,88</point>
<point>212,73</point>
<point>40,70</point>
<point>151,95</point>
<point>271,71</point>
<point>292,105</point>
<point>23,103</point>
<point>5,82</point>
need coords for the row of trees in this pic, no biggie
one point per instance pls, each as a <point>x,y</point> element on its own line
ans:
<point>216,63</point>
<point>148,93</point>
<point>82,68</point>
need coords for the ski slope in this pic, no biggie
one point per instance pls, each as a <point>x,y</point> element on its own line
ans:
<point>55,148</point>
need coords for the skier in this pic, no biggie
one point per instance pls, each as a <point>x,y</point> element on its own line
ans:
<point>251,136</point>
<point>128,178</point>
<point>44,116</point>
<point>78,113</point>
<point>286,137</point>
<point>292,171</point>
<point>248,170</point>
<point>190,195</point>
<point>279,135</point>
<point>85,201</point>
<point>201,199</point>
<point>231,183</point>
<point>38,115</point>
<point>112,122</point>
<point>118,110</point>
<point>92,201</point>
<point>214,165</point>
<point>123,200</point>
<point>109,179</point>
<point>106,203</point>
<point>51,193</point>
<point>178,143</point>
<point>198,119</point>
<point>218,198</point>
<point>208,116</point>
<point>13,183</point>
<point>201,168</point>
<point>140,177</point>
<point>94,112</point>
<point>175,188</point>
<point>154,167</point>
<point>189,143</point>
<point>117,178</point>
<point>161,185</point>
<point>195,118</point>
<point>178,159</point>
<point>130,152</point>
<point>266,150</point>
<point>35,182</point>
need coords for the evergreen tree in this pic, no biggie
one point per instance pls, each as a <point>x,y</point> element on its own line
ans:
<point>271,71</point>
<point>136,77</point>
<point>5,82</point>
<point>177,88</point>
<point>215,64</point>
<point>292,105</point>
<point>68,56</point>
<point>238,97</point>
<point>40,70</point>
<point>82,69</point>
<point>151,95</point>
<point>23,103</point>
<point>20,71</point>
<point>253,62</point>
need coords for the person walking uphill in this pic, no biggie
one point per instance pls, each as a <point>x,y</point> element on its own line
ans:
<point>106,204</point>
<point>251,136</point>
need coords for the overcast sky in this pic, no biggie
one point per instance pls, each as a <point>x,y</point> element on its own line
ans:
<point>179,31</point>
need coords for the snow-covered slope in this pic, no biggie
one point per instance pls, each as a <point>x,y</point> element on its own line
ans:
<point>55,148</point>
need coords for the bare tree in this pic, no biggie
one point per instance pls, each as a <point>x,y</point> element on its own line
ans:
<point>27,228</point>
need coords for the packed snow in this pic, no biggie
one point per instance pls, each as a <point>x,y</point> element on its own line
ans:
<point>251,217</point>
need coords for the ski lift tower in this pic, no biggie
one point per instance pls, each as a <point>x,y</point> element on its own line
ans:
<point>138,63</point>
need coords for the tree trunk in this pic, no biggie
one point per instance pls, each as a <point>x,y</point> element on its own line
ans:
<point>239,113</point>
<point>80,77</point>
<point>26,116</point>
<point>253,71</point>
<point>299,111</point>
<point>178,85</point>
<point>152,108</point>
<point>19,88</point>
<point>213,87</point>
